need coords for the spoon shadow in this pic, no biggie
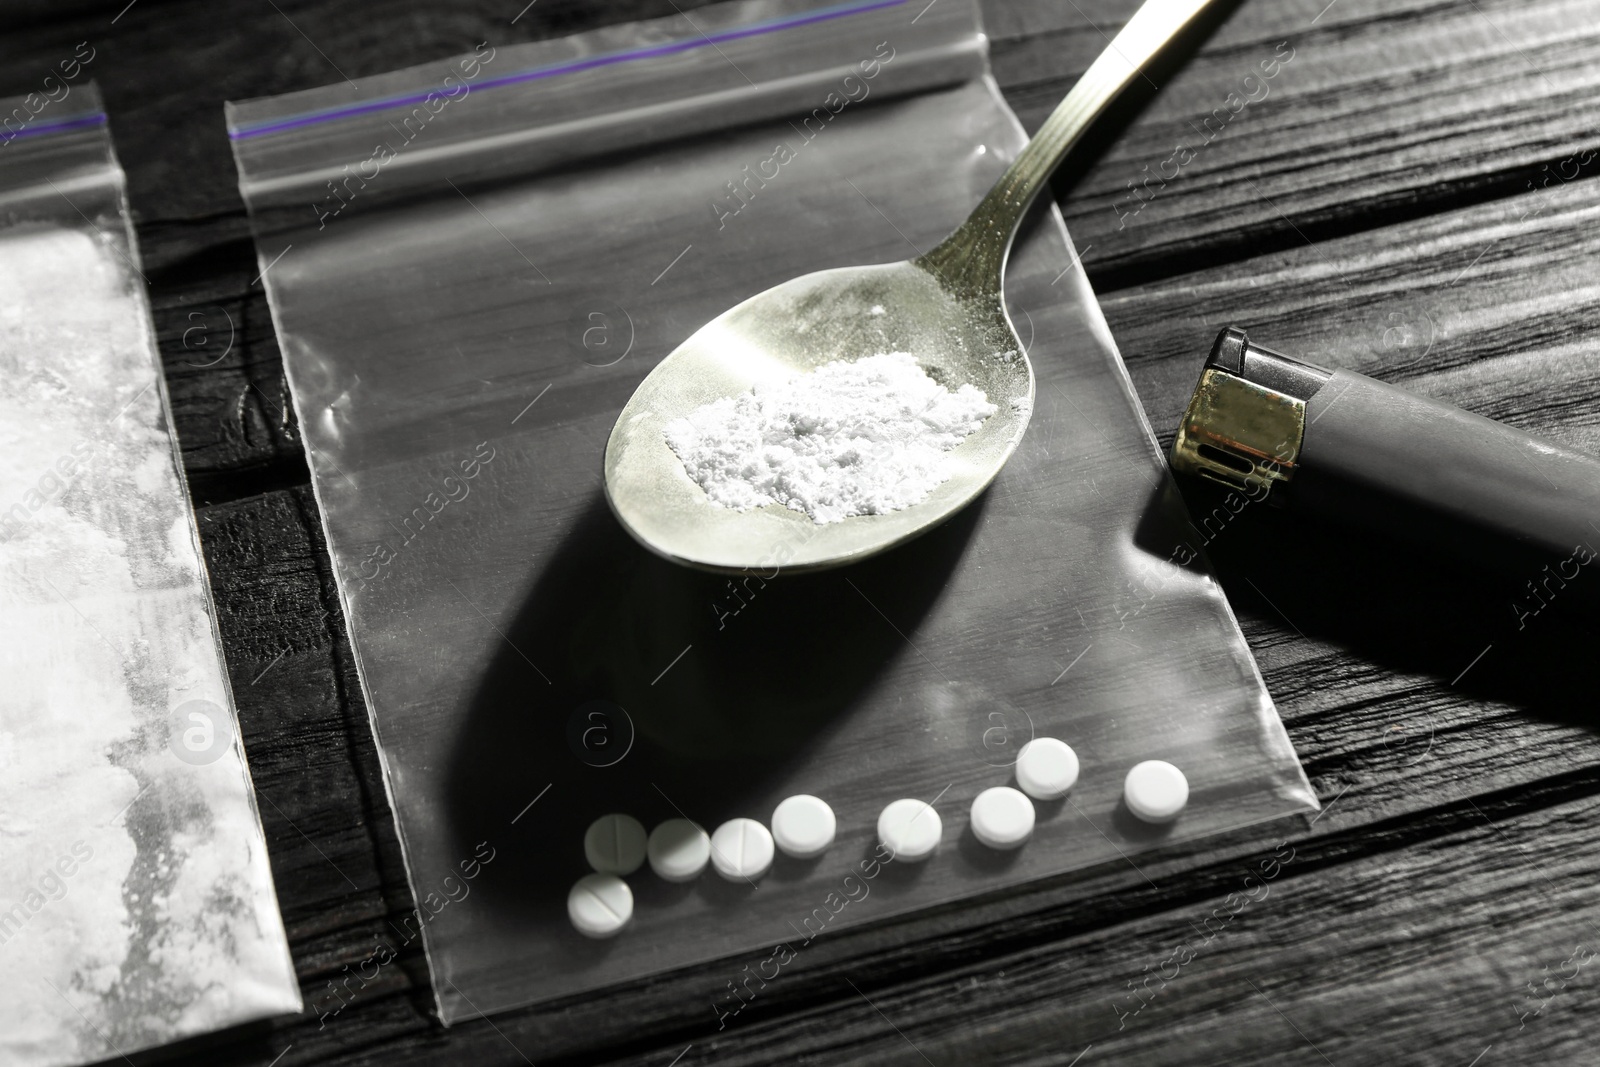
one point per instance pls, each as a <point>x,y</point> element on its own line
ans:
<point>709,689</point>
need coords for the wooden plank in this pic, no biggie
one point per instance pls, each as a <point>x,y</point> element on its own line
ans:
<point>1384,112</point>
<point>1492,307</point>
<point>1421,955</point>
<point>230,400</point>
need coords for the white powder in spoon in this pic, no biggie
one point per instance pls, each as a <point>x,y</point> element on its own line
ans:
<point>860,437</point>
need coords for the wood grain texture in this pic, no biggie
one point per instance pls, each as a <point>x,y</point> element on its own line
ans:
<point>1372,211</point>
<point>1419,953</point>
<point>1287,126</point>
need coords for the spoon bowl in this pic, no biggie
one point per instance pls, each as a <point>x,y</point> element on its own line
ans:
<point>795,328</point>
<point>946,308</point>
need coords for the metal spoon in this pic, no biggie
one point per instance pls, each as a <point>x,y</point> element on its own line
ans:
<point>947,307</point>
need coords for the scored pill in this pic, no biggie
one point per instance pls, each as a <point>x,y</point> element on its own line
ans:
<point>615,844</point>
<point>803,826</point>
<point>599,905</point>
<point>741,850</point>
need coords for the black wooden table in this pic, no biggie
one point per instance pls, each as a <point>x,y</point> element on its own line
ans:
<point>1413,195</point>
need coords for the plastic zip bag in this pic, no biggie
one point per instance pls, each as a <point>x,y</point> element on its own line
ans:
<point>136,899</point>
<point>472,264</point>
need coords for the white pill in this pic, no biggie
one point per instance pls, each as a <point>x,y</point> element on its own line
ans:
<point>679,850</point>
<point>600,905</point>
<point>1002,817</point>
<point>1155,791</point>
<point>1047,768</point>
<point>803,826</point>
<point>910,829</point>
<point>741,850</point>
<point>614,844</point>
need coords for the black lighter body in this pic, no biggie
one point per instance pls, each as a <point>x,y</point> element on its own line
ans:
<point>1341,446</point>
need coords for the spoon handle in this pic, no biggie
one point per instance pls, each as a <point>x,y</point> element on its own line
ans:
<point>972,260</point>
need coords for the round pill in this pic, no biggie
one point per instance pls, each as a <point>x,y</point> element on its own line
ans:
<point>600,905</point>
<point>803,826</point>
<point>679,850</point>
<point>1002,817</point>
<point>741,850</point>
<point>1155,791</point>
<point>910,829</point>
<point>614,844</point>
<point>1047,768</point>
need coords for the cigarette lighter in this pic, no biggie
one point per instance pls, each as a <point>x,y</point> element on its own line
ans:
<point>1341,446</point>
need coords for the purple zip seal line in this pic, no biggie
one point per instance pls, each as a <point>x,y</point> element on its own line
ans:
<point>71,122</point>
<point>554,70</point>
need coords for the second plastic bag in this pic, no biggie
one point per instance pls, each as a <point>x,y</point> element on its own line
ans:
<point>471,267</point>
